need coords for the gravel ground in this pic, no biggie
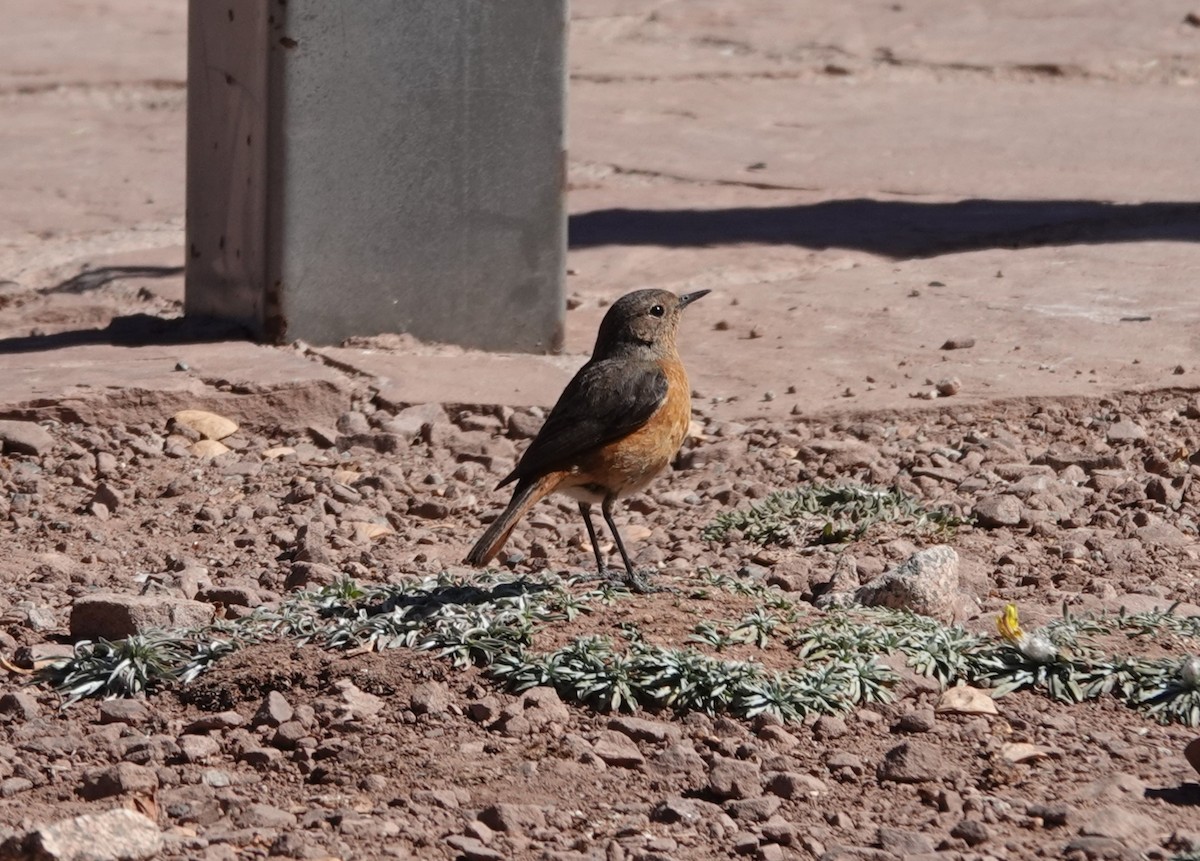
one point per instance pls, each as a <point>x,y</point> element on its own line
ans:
<point>288,750</point>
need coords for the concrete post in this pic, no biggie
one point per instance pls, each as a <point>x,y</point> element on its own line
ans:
<point>378,166</point>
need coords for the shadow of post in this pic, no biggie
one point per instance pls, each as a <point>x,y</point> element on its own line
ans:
<point>895,229</point>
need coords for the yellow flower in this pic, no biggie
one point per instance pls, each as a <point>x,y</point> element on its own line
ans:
<point>1037,647</point>
<point>1008,626</point>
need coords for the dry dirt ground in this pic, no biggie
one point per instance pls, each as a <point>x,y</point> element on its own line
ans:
<point>302,751</point>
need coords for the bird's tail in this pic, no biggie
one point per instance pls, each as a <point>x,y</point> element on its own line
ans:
<point>523,499</point>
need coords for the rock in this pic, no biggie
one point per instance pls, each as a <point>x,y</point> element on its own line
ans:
<point>107,464</point>
<point>417,420</point>
<point>20,704</point>
<point>776,830</point>
<point>912,762</point>
<point>353,703</point>
<point>288,734</point>
<point>948,387</point>
<point>927,583</point>
<point>309,575</point>
<point>231,593</point>
<point>471,849</point>
<point>524,425</point>
<point>790,784</point>
<point>543,705</point>
<point>1052,815</point>
<point>744,843</point>
<point>207,449</point>
<point>366,531</point>
<point>688,811</point>
<point>902,842</point>
<point>209,425</point>
<point>514,725</point>
<point>198,748</point>
<point>115,835</point>
<point>845,764</point>
<point>215,722</point>
<point>778,736</point>
<point>484,710</point>
<point>965,700</point>
<point>132,712</point>
<point>829,726</point>
<point>734,778</point>
<point>479,831</point>
<point>917,721</point>
<point>261,758</point>
<point>753,809</point>
<point>513,818</point>
<point>115,617</point>
<point>1158,533</point>
<point>617,749</point>
<point>14,786</point>
<point>639,729</point>
<point>970,831</point>
<point>963,343</point>
<point>353,422</point>
<point>274,710</point>
<point>1100,848</point>
<point>108,496</point>
<point>996,511</point>
<point>310,544</point>
<point>1164,491</point>
<point>1023,751</point>
<point>679,759</point>
<point>1061,455</point>
<point>446,799</point>
<point>119,779</point>
<point>1124,431</point>
<point>24,438</point>
<point>264,816</point>
<point>430,698</point>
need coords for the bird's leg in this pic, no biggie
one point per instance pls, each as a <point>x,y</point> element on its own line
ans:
<point>635,581</point>
<point>586,510</point>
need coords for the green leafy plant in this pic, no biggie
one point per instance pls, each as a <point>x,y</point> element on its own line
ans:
<point>492,621</point>
<point>827,514</point>
<point>138,664</point>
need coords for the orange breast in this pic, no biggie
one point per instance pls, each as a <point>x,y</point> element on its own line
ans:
<point>627,465</point>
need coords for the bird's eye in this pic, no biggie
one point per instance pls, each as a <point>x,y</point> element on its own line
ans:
<point>657,311</point>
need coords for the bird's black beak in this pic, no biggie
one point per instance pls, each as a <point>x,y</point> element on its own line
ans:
<point>688,298</point>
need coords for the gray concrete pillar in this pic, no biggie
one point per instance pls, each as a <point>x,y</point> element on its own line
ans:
<point>378,166</point>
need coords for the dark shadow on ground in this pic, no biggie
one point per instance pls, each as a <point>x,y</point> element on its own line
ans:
<point>1184,795</point>
<point>467,595</point>
<point>134,330</point>
<point>894,228</point>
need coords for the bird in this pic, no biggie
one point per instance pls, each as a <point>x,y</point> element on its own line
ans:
<point>617,424</point>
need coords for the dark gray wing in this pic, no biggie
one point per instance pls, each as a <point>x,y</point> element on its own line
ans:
<point>604,401</point>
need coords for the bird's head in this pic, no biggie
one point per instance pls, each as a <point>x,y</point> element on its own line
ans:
<point>644,321</point>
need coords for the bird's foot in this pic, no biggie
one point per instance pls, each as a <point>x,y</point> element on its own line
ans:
<point>641,586</point>
<point>635,581</point>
